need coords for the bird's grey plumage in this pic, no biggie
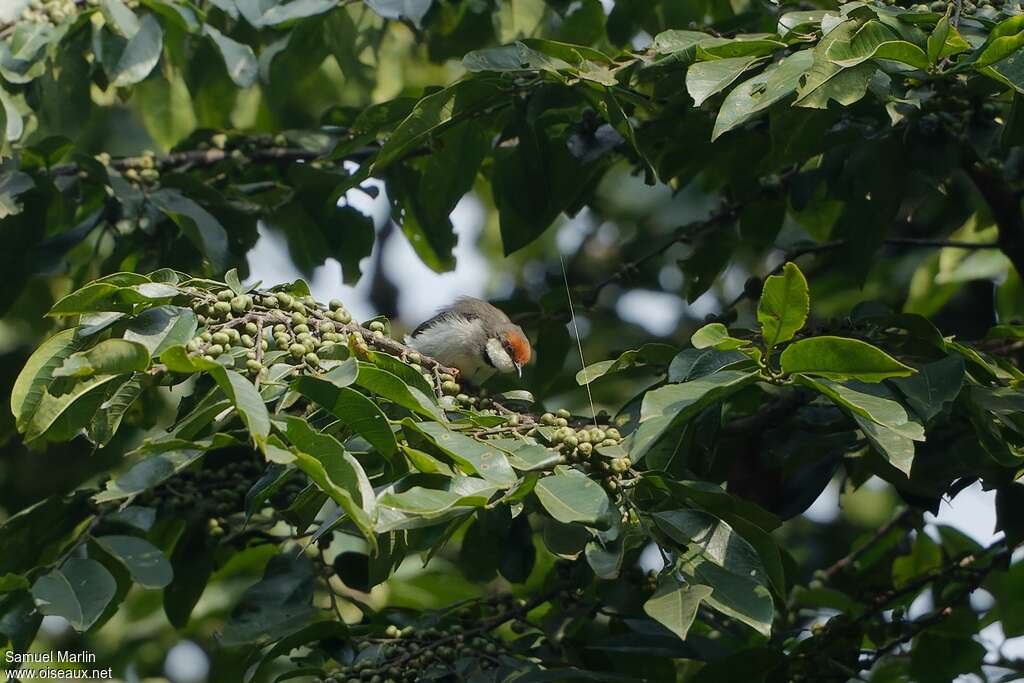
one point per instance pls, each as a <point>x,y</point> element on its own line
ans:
<point>465,307</point>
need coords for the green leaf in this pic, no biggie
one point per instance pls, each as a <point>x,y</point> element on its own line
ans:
<point>79,591</point>
<point>572,496</point>
<point>277,606</point>
<point>670,406</point>
<point>674,604</point>
<point>198,224</point>
<point>431,114</point>
<point>140,55</point>
<point>715,335</point>
<point>705,79</point>
<point>841,358</point>
<point>937,39</point>
<point>97,296</point>
<point>107,419</point>
<point>925,556</point>
<point>336,472</point>
<point>13,582</point>
<point>1004,39</point>
<point>413,10</point>
<point>784,305</point>
<point>877,409</point>
<point>515,57</point>
<point>933,387</point>
<point>874,40</point>
<point>732,594</point>
<point>433,502</point>
<point>318,631</point>
<point>38,528</point>
<point>291,12</point>
<point>30,386</point>
<point>388,385</point>
<point>247,401</point>
<point>693,363</point>
<point>239,58</point>
<point>61,416</point>
<point>714,540</point>
<point>475,457</point>
<point>147,474</point>
<point>109,357</point>
<point>648,354</point>
<point>145,562</point>
<point>755,95</point>
<point>120,17</point>
<point>162,327</point>
<point>353,409</point>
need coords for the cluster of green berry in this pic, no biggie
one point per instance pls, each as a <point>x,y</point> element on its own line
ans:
<point>411,654</point>
<point>294,326</point>
<point>52,11</point>
<point>580,446</point>
<point>212,493</point>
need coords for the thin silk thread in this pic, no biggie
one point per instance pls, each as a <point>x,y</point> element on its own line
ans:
<point>579,344</point>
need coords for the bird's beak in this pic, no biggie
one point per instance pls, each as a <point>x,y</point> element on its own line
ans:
<point>519,369</point>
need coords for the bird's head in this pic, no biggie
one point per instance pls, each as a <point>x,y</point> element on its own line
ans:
<point>508,349</point>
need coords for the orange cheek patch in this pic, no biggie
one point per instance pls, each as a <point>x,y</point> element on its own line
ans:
<point>520,348</point>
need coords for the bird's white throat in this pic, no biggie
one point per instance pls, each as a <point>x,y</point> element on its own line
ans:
<point>499,357</point>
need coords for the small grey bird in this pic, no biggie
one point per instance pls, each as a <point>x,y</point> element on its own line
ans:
<point>474,337</point>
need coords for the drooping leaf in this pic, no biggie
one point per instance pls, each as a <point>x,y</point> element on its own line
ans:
<point>572,496</point>
<point>674,604</point>
<point>79,591</point>
<point>109,357</point>
<point>145,562</point>
<point>841,358</point>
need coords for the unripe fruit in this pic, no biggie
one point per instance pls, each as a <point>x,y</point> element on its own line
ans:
<point>327,327</point>
<point>445,377</point>
<point>335,304</point>
<point>252,329</point>
<point>429,378</point>
<point>271,301</point>
<point>547,419</point>
<point>561,422</point>
<point>221,308</point>
<point>300,329</point>
<point>238,305</point>
<point>284,299</point>
<point>312,359</point>
<point>414,358</point>
<point>462,398</point>
<point>297,351</point>
<point>233,336</point>
<point>253,365</point>
<point>250,355</point>
<point>392,631</point>
<point>248,341</point>
<point>562,412</point>
<point>215,350</point>
<point>586,448</point>
<point>206,336</point>
<point>298,319</point>
<point>450,388</point>
<point>612,433</point>
<point>377,326</point>
<point>225,295</point>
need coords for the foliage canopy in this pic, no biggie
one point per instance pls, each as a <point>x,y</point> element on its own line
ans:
<point>226,438</point>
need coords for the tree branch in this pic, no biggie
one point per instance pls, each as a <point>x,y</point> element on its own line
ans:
<point>1004,203</point>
